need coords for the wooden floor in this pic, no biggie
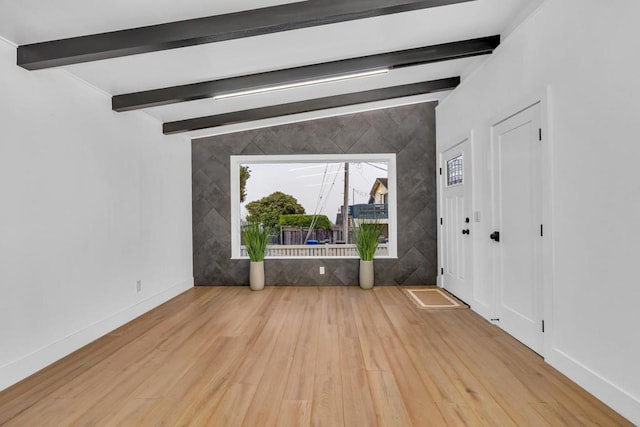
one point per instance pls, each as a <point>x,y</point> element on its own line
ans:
<point>298,356</point>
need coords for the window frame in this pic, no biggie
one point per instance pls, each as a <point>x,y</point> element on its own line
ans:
<point>236,161</point>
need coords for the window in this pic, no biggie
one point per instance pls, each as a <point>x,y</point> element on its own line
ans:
<point>454,171</point>
<point>309,192</point>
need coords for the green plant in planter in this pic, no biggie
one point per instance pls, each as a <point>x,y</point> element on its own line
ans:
<point>256,238</point>
<point>366,239</point>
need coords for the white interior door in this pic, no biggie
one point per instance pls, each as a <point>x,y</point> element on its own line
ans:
<point>456,220</point>
<point>517,160</point>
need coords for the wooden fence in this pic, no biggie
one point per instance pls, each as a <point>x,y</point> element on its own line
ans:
<point>297,235</point>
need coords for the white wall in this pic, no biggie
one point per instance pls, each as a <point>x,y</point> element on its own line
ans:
<point>586,52</point>
<point>90,202</point>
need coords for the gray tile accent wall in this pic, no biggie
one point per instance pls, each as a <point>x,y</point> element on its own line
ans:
<point>408,131</point>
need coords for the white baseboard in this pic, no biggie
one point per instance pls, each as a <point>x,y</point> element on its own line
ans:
<point>618,399</point>
<point>22,368</point>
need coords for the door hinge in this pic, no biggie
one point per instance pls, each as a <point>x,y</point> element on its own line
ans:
<point>440,171</point>
<point>543,326</point>
<point>495,320</point>
<point>539,134</point>
<point>442,271</point>
<point>541,230</point>
<point>440,221</point>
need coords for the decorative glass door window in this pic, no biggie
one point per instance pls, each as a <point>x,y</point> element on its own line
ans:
<point>454,171</point>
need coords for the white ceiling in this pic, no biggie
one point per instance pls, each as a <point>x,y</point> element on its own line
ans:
<point>29,21</point>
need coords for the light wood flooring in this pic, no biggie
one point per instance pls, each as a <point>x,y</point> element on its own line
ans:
<point>299,356</point>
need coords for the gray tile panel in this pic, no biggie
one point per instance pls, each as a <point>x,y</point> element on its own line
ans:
<point>409,131</point>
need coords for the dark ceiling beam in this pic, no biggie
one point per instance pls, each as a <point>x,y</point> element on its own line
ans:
<point>211,29</point>
<point>391,60</point>
<point>309,105</point>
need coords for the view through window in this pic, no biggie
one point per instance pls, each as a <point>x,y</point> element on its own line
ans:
<point>302,200</point>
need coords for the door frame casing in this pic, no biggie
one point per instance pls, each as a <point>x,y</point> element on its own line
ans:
<point>541,97</point>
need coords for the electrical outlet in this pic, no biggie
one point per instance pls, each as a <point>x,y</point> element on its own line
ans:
<point>322,269</point>
<point>138,285</point>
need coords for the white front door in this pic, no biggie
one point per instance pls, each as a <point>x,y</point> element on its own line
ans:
<point>517,206</point>
<point>456,220</point>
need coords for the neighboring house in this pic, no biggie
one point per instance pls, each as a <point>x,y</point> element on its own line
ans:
<point>379,192</point>
<point>377,210</point>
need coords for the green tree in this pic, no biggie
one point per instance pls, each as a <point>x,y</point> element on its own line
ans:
<point>321,221</point>
<point>245,173</point>
<point>267,210</point>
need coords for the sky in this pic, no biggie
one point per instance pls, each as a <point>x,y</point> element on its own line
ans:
<point>317,186</point>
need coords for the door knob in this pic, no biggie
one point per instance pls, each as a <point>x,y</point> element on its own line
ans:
<point>495,236</point>
<point>465,231</point>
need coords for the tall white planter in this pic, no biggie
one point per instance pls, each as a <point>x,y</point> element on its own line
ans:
<point>256,275</point>
<point>366,274</point>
